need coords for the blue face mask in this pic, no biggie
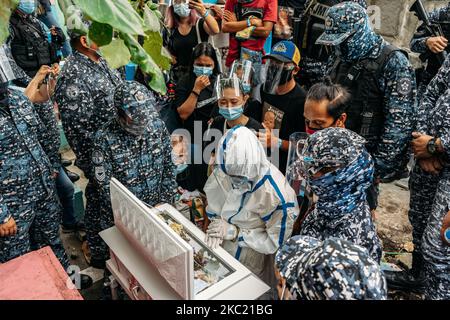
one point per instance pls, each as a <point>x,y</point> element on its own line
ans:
<point>27,6</point>
<point>231,113</point>
<point>203,71</point>
<point>182,10</point>
<point>247,88</point>
<point>181,168</point>
<point>341,191</point>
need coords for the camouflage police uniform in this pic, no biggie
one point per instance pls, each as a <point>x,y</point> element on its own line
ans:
<point>142,163</point>
<point>382,83</point>
<point>313,65</point>
<point>44,111</point>
<point>418,43</point>
<point>333,269</point>
<point>423,185</point>
<point>27,191</point>
<point>427,217</point>
<point>341,210</point>
<point>84,93</point>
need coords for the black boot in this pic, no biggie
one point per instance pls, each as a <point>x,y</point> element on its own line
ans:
<point>73,176</point>
<point>66,163</point>
<point>411,280</point>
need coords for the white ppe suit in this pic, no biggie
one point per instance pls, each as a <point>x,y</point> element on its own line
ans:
<point>263,208</point>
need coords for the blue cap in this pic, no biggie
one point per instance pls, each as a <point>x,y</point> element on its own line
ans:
<point>285,51</point>
<point>342,20</point>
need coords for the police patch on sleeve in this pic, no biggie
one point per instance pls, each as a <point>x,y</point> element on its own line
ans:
<point>72,92</point>
<point>404,86</point>
<point>97,157</point>
<point>100,174</point>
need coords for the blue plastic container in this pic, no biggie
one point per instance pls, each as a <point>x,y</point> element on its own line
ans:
<point>130,71</point>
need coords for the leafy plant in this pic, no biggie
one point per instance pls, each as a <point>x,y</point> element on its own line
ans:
<point>6,8</point>
<point>124,30</point>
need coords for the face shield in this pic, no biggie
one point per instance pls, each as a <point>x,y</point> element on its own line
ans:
<point>6,71</point>
<point>243,69</point>
<point>231,98</point>
<point>276,73</point>
<point>307,166</point>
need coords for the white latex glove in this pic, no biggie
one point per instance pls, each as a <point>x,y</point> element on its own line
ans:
<point>219,230</point>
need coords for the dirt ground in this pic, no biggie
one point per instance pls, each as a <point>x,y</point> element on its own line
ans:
<point>392,223</point>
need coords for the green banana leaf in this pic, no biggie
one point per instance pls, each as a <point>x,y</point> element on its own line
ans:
<point>6,8</point>
<point>153,45</point>
<point>100,33</point>
<point>140,57</point>
<point>119,14</point>
<point>116,53</point>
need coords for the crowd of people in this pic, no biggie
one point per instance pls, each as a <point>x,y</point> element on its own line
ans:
<point>225,135</point>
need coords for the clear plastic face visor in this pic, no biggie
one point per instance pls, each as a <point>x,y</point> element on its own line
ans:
<point>306,166</point>
<point>6,71</point>
<point>229,92</point>
<point>243,69</point>
<point>275,73</point>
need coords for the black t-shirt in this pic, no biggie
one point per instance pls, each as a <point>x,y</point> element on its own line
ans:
<point>219,123</point>
<point>181,46</point>
<point>206,108</point>
<point>283,112</point>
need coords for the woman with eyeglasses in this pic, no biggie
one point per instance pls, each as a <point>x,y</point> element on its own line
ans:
<point>339,170</point>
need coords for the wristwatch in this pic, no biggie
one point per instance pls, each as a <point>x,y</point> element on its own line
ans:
<point>431,146</point>
<point>447,235</point>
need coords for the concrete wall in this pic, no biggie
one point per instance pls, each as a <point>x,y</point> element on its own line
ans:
<point>392,19</point>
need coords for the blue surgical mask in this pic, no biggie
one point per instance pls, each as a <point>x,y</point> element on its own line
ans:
<point>27,6</point>
<point>181,168</point>
<point>231,113</point>
<point>182,10</point>
<point>203,71</point>
<point>247,88</point>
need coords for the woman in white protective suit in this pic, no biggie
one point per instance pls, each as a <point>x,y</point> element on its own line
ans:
<point>251,206</point>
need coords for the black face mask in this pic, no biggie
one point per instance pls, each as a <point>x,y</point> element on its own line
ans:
<point>286,76</point>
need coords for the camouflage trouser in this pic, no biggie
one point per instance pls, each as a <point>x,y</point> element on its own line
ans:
<point>37,226</point>
<point>436,253</point>
<point>94,224</point>
<point>422,187</point>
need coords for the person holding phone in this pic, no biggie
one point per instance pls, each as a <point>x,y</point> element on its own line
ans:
<point>249,23</point>
<point>181,36</point>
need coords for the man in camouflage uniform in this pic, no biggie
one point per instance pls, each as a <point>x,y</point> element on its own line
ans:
<point>84,93</point>
<point>382,84</point>
<point>135,149</point>
<point>430,192</point>
<point>339,170</point>
<point>333,269</point>
<point>312,14</point>
<point>29,209</point>
<point>430,46</point>
<point>422,184</point>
